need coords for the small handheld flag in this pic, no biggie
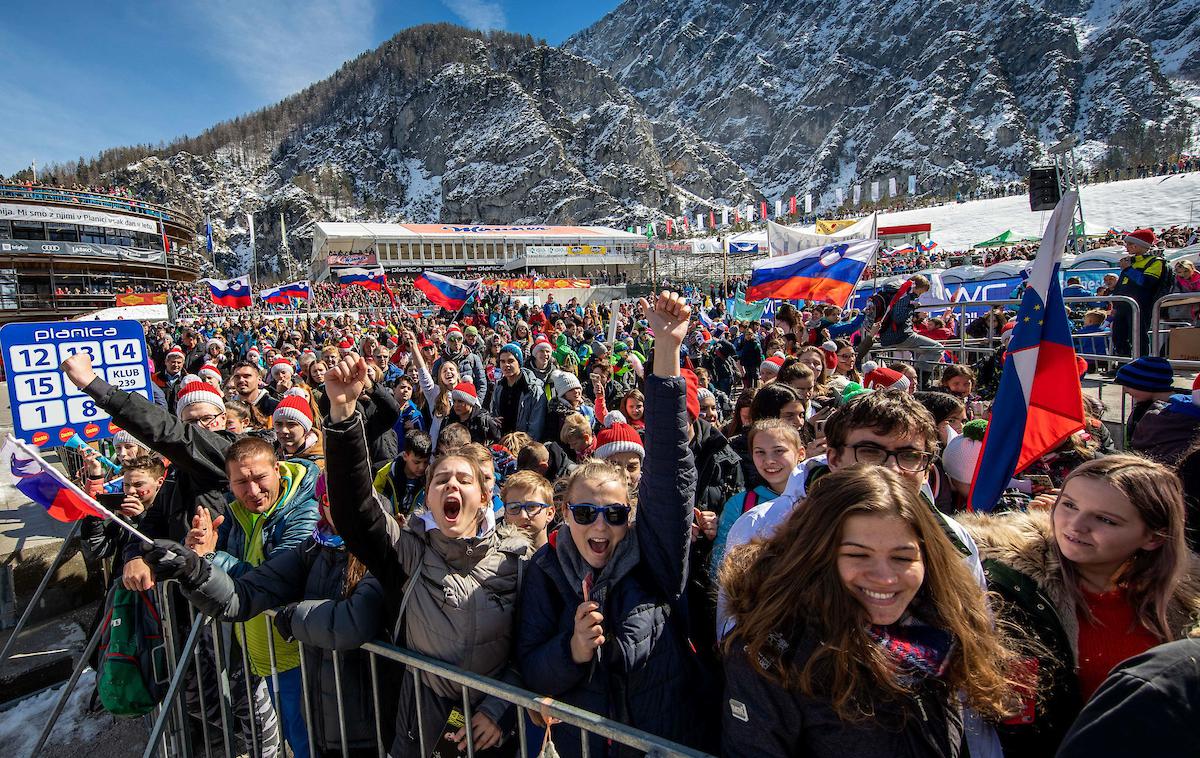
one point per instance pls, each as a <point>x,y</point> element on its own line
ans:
<point>26,470</point>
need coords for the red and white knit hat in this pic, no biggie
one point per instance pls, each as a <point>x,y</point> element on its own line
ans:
<point>772,364</point>
<point>215,341</point>
<point>193,389</point>
<point>829,347</point>
<point>280,363</point>
<point>884,378</point>
<point>465,392</point>
<point>176,350</point>
<point>454,329</point>
<point>346,345</point>
<point>618,438</point>
<point>541,342</point>
<point>210,370</point>
<point>1196,391</point>
<point>294,407</point>
<point>1143,238</point>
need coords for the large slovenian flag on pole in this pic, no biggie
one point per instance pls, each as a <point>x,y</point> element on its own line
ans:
<point>826,274</point>
<point>232,293</point>
<point>444,292</point>
<point>371,278</point>
<point>1039,398</point>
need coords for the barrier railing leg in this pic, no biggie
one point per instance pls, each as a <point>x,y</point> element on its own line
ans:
<point>467,722</point>
<point>375,700</point>
<point>200,697</point>
<point>275,680</point>
<point>223,691</point>
<point>33,601</point>
<point>67,690</point>
<point>164,713</point>
<point>304,695</point>
<point>420,715</point>
<point>341,713</point>
<point>251,705</point>
<point>177,737</point>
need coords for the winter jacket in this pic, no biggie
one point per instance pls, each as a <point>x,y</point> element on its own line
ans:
<point>462,605</point>
<point>483,426</point>
<point>312,576</point>
<point>1022,567</point>
<point>380,412</point>
<point>719,470</point>
<point>531,407</point>
<point>1166,432</point>
<point>245,535</point>
<point>645,674</point>
<point>196,476</point>
<point>762,719</point>
<point>1159,691</point>
<point>102,539</point>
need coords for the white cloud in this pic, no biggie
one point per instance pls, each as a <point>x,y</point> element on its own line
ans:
<point>279,47</point>
<point>479,14</point>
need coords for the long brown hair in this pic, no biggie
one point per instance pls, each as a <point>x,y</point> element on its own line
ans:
<point>1151,576</point>
<point>781,585</point>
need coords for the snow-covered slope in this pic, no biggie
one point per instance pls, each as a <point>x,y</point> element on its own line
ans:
<point>816,95</point>
<point>1158,202</point>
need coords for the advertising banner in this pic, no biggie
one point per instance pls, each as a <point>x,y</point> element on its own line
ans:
<point>351,259</point>
<point>56,215</point>
<point>142,298</point>
<point>519,284</point>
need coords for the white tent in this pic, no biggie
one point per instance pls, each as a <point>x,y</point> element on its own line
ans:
<point>127,313</point>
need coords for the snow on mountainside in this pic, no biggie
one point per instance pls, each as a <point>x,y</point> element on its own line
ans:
<point>438,124</point>
<point>812,95</point>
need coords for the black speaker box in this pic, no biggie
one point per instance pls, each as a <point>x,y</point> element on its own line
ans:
<point>1044,190</point>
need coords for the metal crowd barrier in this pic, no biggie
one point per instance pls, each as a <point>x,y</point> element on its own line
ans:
<point>177,731</point>
<point>1157,324</point>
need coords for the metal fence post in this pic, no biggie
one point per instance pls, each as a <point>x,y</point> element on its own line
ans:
<point>58,559</point>
<point>173,692</point>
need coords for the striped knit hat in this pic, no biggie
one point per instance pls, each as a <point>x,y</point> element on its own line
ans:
<point>294,407</point>
<point>123,437</point>
<point>618,438</point>
<point>175,350</point>
<point>279,363</point>
<point>1196,390</point>
<point>454,331</point>
<point>1150,373</point>
<point>193,389</point>
<point>884,378</point>
<point>465,392</point>
<point>772,364</point>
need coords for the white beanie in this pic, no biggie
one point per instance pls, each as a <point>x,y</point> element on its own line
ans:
<point>962,453</point>
<point>564,382</point>
<point>193,389</point>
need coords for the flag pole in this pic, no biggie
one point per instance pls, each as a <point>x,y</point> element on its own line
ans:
<point>108,515</point>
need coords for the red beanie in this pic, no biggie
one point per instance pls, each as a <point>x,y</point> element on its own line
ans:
<point>618,438</point>
<point>884,378</point>
<point>693,394</point>
<point>294,407</point>
<point>1142,238</point>
<point>830,349</point>
<point>465,392</point>
<point>772,364</point>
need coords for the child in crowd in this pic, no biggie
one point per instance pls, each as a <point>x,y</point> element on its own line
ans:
<point>529,505</point>
<point>402,481</point>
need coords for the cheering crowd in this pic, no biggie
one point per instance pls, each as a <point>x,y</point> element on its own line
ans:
<point>751,539</point>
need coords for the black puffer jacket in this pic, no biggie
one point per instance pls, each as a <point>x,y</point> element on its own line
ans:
<point>197,472</point>
<point>644,674</point>
<point>312,575</point>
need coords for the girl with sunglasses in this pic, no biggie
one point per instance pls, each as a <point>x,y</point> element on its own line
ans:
<point>603,620</point>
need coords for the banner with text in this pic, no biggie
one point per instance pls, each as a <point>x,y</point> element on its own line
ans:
<point>56,215</point>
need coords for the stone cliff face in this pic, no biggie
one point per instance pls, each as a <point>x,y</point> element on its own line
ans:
<point>816,96</point>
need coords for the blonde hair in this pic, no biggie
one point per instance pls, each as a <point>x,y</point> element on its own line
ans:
<point>531,482</point>
<point>515,441</point>
<point>575,428</point>
<point>599,471</point>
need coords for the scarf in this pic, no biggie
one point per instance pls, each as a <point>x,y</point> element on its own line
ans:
<point>919,651</point>
<point>323,534</point>
<point>577,570</point>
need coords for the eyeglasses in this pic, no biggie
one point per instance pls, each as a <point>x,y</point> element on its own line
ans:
<point>907,460</point>
<point>530,508</point>
<point>585,513</point>
<point>205,420</point>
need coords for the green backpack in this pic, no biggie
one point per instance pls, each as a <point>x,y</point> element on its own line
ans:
<point>131,675</point>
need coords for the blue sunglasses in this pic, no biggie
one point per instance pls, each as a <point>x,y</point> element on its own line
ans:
<point>585,513</point>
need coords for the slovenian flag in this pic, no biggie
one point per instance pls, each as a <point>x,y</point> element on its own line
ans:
<point>1039,398</point>
<point>41,483</point>
<point>232,293</point>
<point>371,278</point>
<point>825,274</point>
<point>444,292</point>
<point>928,247</point>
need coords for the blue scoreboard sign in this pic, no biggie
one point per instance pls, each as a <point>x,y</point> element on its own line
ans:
<point>47,410</point>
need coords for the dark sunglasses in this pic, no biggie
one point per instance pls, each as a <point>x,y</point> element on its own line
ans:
<point>530,507</point>
<point>585,513</point>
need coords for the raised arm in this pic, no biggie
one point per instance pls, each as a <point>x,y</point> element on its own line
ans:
<point>668,485</point>
<point>362,521</point>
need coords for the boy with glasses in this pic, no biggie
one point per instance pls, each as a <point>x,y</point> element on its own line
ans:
<point>529,505</point>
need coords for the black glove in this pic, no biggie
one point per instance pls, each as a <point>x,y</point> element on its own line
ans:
<point>170,560</point>
<point>283,622</point>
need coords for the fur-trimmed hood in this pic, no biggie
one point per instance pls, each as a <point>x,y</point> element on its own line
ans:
<point>1024,541</point>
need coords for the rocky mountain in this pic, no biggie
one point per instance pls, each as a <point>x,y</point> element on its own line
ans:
<point>438,124</point>
<point>816,96</point>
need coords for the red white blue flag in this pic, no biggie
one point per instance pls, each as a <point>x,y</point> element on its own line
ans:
<point>44,485</point>
<point>284,293</point>
<point>371,278</point>
<point>232,293</point>
<point>1039,403</point>
<point>825,274</point>
<point>444,292</point>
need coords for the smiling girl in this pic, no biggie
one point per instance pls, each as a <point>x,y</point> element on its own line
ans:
<point>1103,577</point>
<point>859,629</point>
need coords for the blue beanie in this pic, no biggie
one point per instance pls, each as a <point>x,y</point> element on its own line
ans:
<point>515,349</point>
<point>1149,373</point>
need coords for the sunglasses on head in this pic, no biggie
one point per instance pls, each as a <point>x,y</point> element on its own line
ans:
<point>616,514</point>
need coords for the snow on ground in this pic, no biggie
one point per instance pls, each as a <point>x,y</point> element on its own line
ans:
<point>21,724</point>
<point>1158,201</point>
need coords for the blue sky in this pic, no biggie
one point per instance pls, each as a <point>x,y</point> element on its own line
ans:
<point>80,76</point>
